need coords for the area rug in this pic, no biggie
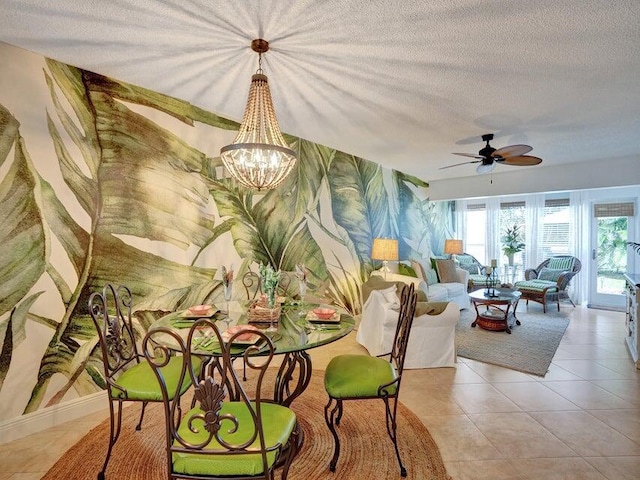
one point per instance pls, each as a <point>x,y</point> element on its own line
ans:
<point>366,450</point>
<point>530,347</point>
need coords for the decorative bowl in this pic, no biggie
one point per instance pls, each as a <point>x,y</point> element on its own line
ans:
<point>199,309</point>
<point>324,313</point>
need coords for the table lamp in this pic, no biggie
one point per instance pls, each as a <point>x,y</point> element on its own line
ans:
<point>453,248</point>
<point>384,249</point>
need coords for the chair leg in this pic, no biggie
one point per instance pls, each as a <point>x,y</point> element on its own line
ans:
<point>291,452</point>
<point>114,433</point>
<point>392,430</point>
<point>332,418</point>
<point>144,406</point>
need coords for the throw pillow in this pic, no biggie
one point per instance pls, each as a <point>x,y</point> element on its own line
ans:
<point>472,268</point>
<point>561,263</point>
<point>549,274</point>
<point>417,267</point>
<point>446,271</point>
<point>435,259</point>
<point>465,259</point>
<point>406,270</point>
<point>432,277</point>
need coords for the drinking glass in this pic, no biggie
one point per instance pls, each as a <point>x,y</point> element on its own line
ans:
<point>228,290</point>
<point>271,301</point>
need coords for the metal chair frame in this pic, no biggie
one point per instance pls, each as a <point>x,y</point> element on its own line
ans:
<point>333,410</point>
<point>215,383</point>
<point>117,341</point>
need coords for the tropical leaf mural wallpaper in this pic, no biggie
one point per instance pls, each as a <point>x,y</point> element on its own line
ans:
<point>108,182</point>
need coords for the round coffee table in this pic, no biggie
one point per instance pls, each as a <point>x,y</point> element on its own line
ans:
<point>499,312</point>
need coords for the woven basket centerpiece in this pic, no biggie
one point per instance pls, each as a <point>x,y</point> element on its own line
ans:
<point>259,311</point>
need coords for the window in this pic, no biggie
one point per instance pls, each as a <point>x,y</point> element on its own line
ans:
<point>476,229</point>
<point>555,229</point>
<point>512,214</point>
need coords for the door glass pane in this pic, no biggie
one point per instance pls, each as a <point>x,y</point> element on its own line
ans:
<point>611,255</point>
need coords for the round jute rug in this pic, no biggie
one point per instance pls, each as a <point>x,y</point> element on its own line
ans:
<point>366,450</point>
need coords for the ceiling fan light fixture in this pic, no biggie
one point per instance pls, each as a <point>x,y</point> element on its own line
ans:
<point>488,156</point>
<point>259,158</point>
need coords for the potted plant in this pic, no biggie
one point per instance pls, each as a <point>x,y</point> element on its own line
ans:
<point>512,242</point>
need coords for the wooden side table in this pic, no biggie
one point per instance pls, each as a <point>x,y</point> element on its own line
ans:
<point>500,311</point>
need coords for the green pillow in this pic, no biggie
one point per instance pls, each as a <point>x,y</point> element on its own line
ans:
<point>550,274</point>
<point>561,263</point>
<point>465,259</point>
<point>406,270</point>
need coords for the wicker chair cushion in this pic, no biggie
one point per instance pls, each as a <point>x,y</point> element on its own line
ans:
<point>537,286</point>
<point>550,274</point>
<point>561,263</point>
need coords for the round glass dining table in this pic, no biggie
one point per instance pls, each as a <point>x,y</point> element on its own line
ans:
<point>293,337</point>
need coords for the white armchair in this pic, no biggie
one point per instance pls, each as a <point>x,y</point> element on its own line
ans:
<point>432,338</point>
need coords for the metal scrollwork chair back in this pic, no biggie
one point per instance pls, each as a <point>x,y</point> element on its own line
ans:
<point>227,433</point>
<point>127,376</point>
<point>359,377</point>
<point>252,285</point>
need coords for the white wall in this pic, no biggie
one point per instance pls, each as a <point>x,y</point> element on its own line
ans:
<point>520,180</point>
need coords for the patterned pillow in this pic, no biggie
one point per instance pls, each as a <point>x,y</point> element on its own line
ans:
<point>550,274</point>
<point>561,263</point>
<point>472,268</point>
<point>446,271</point>
<point>465,260</point>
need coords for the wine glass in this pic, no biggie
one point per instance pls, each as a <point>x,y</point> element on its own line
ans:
<point>302,286</point>
<point>228,290</point>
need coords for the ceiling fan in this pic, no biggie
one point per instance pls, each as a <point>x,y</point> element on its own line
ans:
<point>488,156</point>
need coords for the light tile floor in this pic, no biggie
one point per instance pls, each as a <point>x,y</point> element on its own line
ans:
<point>581,421</point>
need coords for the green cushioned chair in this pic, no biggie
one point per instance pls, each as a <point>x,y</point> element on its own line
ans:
<point>229,432</point>
<point>360,377</point>
<point>127,376</point>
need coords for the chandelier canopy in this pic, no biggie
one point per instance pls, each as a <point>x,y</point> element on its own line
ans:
<point>259,157</point>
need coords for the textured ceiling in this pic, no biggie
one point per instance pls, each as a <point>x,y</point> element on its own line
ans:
<point>403,83</point>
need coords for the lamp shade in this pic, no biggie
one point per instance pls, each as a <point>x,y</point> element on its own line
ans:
<point>453,247</point>
<point>384,249</point>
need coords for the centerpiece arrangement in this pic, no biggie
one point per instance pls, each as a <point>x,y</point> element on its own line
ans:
<point>266,308</point>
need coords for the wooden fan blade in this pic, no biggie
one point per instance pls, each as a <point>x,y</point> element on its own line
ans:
<point>485,168</point>
<point>458,164</point>
<point>472,155</point>
<point>512,151</point>
<point>522,160</point>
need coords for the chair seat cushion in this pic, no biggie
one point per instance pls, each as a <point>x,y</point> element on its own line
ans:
<point>358,376</point>
<point>480,280</point>
<point>278,423</point>
<point>537,286</point>
<point>140,383</point>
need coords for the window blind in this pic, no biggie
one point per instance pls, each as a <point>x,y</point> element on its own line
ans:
<point>621,209</point>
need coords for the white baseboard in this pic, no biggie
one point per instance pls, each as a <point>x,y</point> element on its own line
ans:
<point>45,418</point>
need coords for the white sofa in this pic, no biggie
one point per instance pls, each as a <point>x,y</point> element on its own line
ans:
<point>436,292</point>
<point>432,337</point>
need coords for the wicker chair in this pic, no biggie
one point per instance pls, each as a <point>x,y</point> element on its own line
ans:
<point>549,281</point>
<point>477,274</point>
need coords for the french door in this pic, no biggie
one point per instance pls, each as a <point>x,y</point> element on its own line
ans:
<point>611,226</point>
